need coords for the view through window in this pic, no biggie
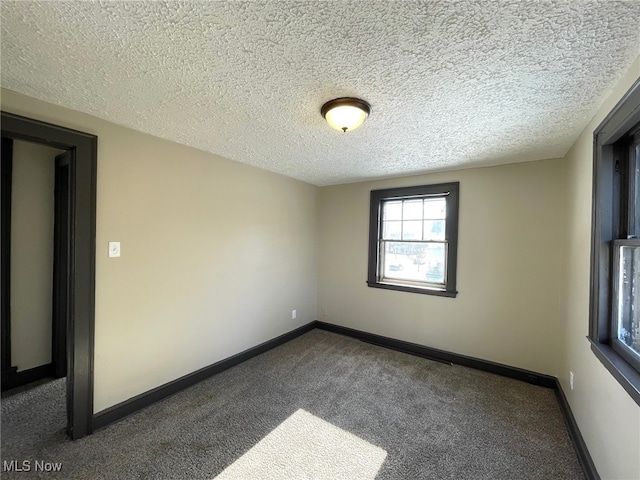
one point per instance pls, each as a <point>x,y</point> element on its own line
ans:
<point>413,240</point>
<point>627,296</point>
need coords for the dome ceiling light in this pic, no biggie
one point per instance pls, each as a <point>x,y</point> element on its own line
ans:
<point>346,113</point>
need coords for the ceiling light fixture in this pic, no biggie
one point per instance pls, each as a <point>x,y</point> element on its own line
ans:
<point>346,113</point>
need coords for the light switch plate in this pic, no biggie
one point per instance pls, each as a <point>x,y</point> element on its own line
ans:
<point>114,249</point>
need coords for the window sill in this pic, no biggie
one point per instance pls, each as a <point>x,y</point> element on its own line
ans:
<point>404,288</point>
<point>624,373</point>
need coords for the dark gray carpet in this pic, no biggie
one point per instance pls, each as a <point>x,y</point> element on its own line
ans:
<point>435,421</point>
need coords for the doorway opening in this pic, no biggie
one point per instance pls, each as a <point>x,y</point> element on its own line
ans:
<point>74,254</point>
<point>35,220</point>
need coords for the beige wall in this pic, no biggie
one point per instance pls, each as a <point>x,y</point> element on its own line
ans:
<point>608,418</point>
<point>509,267</point>
<point>215,255</point>
<point>31,254</point>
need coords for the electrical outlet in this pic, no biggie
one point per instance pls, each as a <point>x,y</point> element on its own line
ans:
<point>571,380</point>
<point>114,249</point>
<point>294,314</point>
<point>324,311</point>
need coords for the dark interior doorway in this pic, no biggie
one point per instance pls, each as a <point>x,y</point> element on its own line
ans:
<point>76,167</point>
<point>6,174</point>
<point>60,265</point>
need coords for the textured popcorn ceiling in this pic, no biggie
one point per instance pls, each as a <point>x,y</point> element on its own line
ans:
<point>451,84</point>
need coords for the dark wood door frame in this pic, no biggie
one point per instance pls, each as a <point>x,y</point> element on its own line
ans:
<point>82,189</point>
<point>6,175</point>
<point>60,266</point>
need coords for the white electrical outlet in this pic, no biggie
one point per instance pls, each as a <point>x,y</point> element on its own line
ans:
<point>294,314</point>
<point>571,380</point>
<point>114,249</point>
<point>324,311</point>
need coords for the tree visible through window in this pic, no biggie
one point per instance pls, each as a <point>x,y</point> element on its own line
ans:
<point>413,239</point>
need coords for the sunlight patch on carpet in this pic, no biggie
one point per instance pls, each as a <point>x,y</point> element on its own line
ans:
<point>305,446</point>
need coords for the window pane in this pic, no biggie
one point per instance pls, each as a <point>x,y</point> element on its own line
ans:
<point>415,262</point>
<point>412,210</point>
<point>629,298</point>
<point>392,230</point>
<point>412,230</point>
<point>404,261</point>
<point>434,262</point>
<point>392,210</point>
<point>435,208</point>
<point>434,230</point>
